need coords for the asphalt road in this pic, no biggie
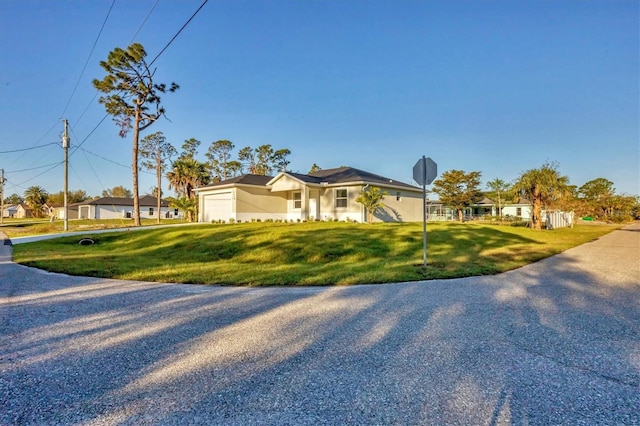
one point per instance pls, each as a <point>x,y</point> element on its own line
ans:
<point>555,342</point>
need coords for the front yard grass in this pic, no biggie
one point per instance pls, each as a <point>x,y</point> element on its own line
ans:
<point>302,253</point>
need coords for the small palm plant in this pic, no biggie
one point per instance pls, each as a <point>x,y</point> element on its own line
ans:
<point>371,198</point>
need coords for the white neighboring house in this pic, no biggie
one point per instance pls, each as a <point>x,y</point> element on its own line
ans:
<point>323,195</point>
<point>122,208</point>
<point>521,209</point>
<point>10,210</point>
<point>436,211</point>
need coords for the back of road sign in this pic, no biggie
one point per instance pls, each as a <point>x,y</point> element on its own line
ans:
<point>425,171</point>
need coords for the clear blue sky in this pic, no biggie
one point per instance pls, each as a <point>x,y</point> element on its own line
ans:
<point>495,86</point>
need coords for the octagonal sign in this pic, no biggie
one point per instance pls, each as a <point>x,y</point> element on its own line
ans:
<point>425,171</point>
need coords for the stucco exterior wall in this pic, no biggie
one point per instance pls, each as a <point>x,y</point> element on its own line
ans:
<point>400,206</point>
<point>259,203</point>
<point>329,211</point>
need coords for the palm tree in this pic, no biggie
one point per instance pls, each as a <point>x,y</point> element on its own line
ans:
<point>35,197</point>
<point>542,187</point>
<point>499,187</point>
<point>186,205</point>
<point>371,199</point>
<point>186,175</point>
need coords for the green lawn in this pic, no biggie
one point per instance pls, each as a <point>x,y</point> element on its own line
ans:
<point>302,253</point>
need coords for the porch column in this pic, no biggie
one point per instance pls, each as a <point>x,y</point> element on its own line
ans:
<point>304,200</point>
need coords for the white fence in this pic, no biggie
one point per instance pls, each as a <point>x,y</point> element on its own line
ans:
<point>558,219</point>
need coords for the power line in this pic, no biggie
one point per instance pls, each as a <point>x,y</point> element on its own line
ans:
<point>104,158</point>
<point>154,59</point>
<point>32,168</point>
<point>88,58</point>
<point>179,31</point>
<point>144,21</point>
<point>89,135</point>
<point>28,149</point>
<point>38,175</point>
<point>132,39</point>
<point>77,83</point>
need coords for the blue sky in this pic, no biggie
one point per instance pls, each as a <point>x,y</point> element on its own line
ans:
<point>495,86</point>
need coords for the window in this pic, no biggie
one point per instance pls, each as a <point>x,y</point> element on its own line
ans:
<point>341,198</point>
<point>519,211</point>
<point>297,200</point>
<point>397,196</point>
<point>176,212</point>
<point>150,211</point>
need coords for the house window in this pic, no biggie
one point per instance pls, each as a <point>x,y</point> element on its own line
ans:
<point>297,200</point>
<point>397,196</point>
<point>341,198</point>
<point>176,212</point>
<point>519,211</point>
<point>150,211</point>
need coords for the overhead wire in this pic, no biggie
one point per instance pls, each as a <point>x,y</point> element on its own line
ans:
<point>84,68</point>
<point>76,147</point>
<point>154,59</point>
<point>27,149</point>
<point>178,33</point>
<point>91,102</point>
<point>53,126</point>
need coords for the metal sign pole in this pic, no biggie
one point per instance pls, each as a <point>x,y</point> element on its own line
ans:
<point>424,226</point>
<point>424,172</point>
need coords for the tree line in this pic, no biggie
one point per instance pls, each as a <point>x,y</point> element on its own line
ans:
<point>544,188</point>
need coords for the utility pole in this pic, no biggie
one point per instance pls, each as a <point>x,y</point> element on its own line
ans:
<point>2,196</point>
<point>65,145</point>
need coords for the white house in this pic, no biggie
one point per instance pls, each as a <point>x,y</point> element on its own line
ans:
<point>323,195</point>
<point>521,210</point>
<point>119,208</point>
<point>10,210</point>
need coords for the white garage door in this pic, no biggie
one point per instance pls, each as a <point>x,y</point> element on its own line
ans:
<point>217,207</point>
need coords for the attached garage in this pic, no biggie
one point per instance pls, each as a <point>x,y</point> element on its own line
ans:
<point>217,206</point>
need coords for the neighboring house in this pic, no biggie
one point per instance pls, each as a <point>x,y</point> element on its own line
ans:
<point>10,211</point>
<point>323,195</point>
<point>520,209</point>
<point>57,210</point>
<point>52,210</point>
<point>436,211</point>
<point>485,207</point>
<point>23,211</point>
<point>119,208</point>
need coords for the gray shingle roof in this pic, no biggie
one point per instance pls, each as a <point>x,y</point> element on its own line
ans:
<point>257,180</point>
<point>146,200</point>
<point>340,175</point>
<point>350,174</point>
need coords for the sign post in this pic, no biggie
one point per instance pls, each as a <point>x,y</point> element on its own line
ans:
<point>424,172</point>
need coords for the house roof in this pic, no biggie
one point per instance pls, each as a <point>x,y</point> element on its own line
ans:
<point>146,201</point>
<point>351,174</point>
<point>485,201</point>
<point>340,175</point>
<point>257,180</point>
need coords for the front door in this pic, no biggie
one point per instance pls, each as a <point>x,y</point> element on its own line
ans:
<point>314,211</point>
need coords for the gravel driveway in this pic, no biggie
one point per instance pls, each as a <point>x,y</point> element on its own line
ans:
<point>555,342</point>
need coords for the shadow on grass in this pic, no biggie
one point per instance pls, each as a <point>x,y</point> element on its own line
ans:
<point>290,254</point>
